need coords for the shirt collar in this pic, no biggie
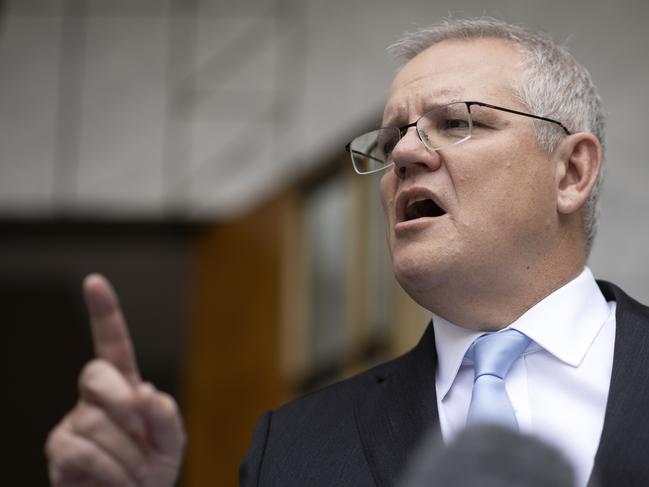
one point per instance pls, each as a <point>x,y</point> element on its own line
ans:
<point>565,323</point>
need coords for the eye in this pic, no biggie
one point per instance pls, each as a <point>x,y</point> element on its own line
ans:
<point>387,139</point>
<point>388,147</point>
<point>455,124</point>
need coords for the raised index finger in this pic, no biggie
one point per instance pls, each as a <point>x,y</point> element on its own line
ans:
<point>109,330</point>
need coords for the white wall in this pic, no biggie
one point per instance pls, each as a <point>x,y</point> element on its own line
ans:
<point>202,112</point>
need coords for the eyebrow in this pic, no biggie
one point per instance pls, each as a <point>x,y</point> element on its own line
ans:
<point>441,97</point>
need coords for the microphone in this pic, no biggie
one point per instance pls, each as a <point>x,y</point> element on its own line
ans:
<point>488,456</point>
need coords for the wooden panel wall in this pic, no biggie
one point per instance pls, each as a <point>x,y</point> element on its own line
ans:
<point>233,368</point>
<point>248,343</point>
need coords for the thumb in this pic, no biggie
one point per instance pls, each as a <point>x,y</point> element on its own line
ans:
<point>165,428</point>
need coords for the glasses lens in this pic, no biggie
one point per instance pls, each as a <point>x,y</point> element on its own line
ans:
<point>371,152</point>
<point>444,126</point>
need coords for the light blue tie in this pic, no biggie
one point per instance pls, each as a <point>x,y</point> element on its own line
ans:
<point>493,355</point>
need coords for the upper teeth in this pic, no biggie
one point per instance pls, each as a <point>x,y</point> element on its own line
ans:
<point>416,199</point>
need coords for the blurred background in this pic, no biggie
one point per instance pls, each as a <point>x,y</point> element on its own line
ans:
<point>192,151</point>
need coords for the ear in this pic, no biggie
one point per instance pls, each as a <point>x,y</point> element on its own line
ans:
<point>578,160</point>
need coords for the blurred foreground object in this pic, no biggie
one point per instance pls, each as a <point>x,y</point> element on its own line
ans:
<point>488,456</point>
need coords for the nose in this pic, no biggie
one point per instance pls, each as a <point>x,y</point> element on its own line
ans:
<point>411,155</point>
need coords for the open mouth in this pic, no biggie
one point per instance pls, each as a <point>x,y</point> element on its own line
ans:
<point>422,207</point>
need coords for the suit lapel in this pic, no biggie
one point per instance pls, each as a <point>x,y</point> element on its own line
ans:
<point>398,410</point>
<point>621,458</point>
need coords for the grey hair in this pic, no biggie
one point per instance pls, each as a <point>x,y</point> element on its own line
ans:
<point>555,86</point>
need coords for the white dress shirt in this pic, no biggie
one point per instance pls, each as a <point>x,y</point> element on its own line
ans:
<point>560,385</point>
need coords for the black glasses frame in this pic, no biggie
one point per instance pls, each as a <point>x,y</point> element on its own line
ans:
<point>515,112</point>
<point>404,129</point>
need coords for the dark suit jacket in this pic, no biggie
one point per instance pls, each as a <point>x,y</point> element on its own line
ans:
<point>361,432</point>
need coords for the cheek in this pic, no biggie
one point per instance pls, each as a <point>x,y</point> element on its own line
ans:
<point>509,209</point>
<point>501,190</point>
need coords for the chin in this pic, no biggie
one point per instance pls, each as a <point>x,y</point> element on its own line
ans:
<point>419,273</point>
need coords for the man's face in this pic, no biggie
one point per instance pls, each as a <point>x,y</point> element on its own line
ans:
<point>496,192</point>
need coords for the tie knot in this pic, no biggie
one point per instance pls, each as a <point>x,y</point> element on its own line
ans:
<point>495,353</point>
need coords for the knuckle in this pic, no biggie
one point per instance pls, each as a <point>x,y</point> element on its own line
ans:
<point>100,382</point>
<point>78,457</point>
<point>124,406</point>
<point>59,437</point>
<point>167,406</point>
<point>92,372</point>
<point>69,455</point>
<point>146,389</point>
<point>53,439</point>
<point>73,458</point>
<point>89,420</point>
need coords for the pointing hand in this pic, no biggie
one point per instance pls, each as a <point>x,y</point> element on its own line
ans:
<point>122,431</point>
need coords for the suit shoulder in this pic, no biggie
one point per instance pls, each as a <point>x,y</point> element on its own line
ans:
<point>339,397</point>
<point>627,307</point>
<point>313,433</point>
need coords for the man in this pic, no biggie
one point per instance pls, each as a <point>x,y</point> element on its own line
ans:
<point>490,185</point>
<point>492,167</point>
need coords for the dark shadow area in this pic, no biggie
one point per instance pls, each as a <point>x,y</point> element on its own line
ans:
<point>46,334</point>
<point>46,340</point>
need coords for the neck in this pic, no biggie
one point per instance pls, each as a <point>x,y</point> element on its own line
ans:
<point>492,304</point>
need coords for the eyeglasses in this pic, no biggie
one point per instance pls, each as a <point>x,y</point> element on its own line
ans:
<point>441,127</point>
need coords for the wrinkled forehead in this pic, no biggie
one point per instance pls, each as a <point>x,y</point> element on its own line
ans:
<point>488,70</point>
<point>419,101</point>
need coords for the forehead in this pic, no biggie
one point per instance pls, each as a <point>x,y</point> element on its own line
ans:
<point>473,69</point>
